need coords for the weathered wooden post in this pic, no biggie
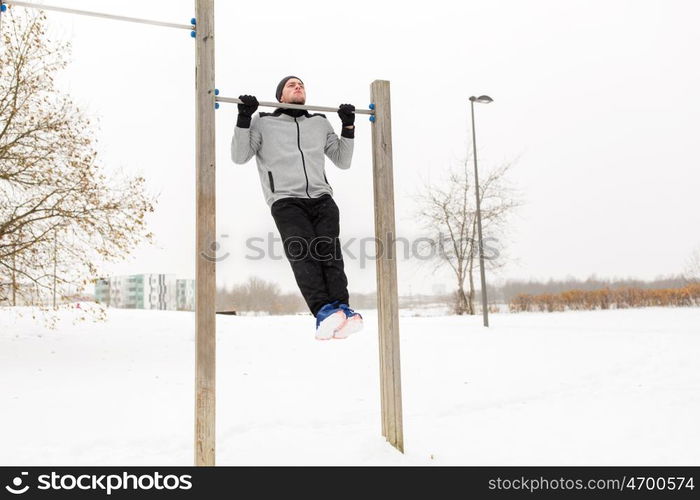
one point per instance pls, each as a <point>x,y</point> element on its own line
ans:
<point>205,266</point>
<point>387,286</point>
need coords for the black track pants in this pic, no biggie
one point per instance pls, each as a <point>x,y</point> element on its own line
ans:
<point>309,228</point>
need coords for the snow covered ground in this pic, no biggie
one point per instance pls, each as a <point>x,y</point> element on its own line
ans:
<point>578,388</point>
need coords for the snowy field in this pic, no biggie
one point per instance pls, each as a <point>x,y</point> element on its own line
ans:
<point>578,388</point>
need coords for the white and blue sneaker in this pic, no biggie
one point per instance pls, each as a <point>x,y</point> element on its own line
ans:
<point>328,319</point>
<point>353,323</point>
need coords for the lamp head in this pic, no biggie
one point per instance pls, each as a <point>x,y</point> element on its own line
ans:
<point>483,99</point>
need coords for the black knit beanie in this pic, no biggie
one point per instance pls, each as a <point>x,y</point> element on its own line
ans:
<point>281,85</point>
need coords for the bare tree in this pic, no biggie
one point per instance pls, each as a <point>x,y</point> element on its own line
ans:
<point>60,213</point>
<point>447,211</point>
<point>692,268</point>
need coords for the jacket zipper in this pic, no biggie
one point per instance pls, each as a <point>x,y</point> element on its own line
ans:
<point>272,182</point>
<point>303,162</point>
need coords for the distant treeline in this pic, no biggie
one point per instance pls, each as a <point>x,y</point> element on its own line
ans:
<point>607,298</point>
<point>259,296</point>
<point>507,292</point>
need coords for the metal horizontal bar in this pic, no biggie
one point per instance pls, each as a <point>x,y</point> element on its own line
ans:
<point>233,100</point>
<point>97,14</point>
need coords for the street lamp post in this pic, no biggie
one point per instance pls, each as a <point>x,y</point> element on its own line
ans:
<point>484,99</point>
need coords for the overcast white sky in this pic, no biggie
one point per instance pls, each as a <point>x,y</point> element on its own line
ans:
<point>599,101</point>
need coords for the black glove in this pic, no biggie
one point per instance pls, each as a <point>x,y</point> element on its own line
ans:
<point>246,110</point>
<point>346,112</point>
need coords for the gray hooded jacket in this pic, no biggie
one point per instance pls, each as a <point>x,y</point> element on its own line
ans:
<point>289,151</point>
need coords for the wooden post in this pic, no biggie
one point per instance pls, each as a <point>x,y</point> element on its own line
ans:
<point>205,265</point>
<point>387,286</point>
